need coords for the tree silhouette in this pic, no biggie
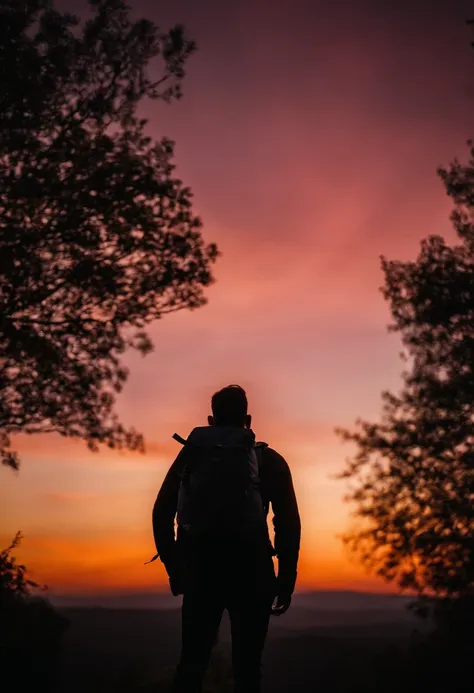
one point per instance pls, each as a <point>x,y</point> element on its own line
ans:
<point>97,235</point>
<point>413,472</point>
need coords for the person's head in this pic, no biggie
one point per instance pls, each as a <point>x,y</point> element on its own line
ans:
<point>229,408</point>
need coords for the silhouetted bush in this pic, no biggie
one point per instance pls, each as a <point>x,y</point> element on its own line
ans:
<point>30,630</point>
<point>437,661</point>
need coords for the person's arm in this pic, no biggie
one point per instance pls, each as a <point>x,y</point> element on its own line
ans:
<point>164,512</point>
<point>287,525</point>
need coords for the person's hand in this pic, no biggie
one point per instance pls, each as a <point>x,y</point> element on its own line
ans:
<point>175,585</point>
<point>283,602</point>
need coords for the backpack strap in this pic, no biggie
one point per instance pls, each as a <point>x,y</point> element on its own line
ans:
<point>259,452</point>
<point>191,443</point>
<point>259,448</point>
<point>187,446</point>
<point>179,439</point>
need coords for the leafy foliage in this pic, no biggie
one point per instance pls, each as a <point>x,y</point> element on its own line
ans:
<point>14,586</point>
<point>97,235</point>
<point>413,472</point>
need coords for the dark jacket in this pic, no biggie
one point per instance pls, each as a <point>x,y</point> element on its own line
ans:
<point>277,490</point>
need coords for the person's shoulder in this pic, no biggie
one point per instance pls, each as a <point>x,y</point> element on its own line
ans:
<point>273,461</point>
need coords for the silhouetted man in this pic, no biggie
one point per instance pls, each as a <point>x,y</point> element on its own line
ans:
<point>220,487</point>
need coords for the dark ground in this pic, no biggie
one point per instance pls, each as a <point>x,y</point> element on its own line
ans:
<point>326,642</point>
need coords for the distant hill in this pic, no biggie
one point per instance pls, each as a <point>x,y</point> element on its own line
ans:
<point>125,600</point>
<point>331,601</point>
<point>335,600</point>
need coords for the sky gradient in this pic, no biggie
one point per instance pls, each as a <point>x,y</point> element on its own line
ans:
<point>310,133</point>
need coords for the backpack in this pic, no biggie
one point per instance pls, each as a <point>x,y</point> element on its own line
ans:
<point>220,486</point>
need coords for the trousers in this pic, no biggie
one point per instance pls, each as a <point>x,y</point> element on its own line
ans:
<point>201,617</point>
<point>240,581</point>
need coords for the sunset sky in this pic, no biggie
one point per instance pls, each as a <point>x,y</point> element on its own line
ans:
<point>310,132</point>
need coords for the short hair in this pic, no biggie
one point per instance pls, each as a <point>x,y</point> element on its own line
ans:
<point>229,406</point>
